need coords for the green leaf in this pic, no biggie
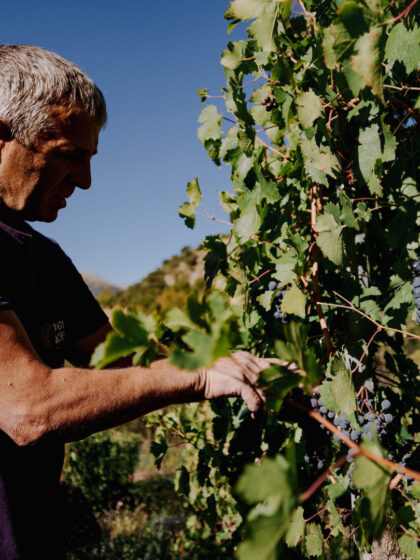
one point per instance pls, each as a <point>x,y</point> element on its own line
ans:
<point>203,93</point>
<point>187,210</point>
<point>368,61</point>
<point>297,527</point>
<point>294,302</point>
<point>409,547</point>
<point>351,14</point>
<point>270,486</point>
<point>211,129</point>
<point>267,189</point>
<point>330,238</point>
<point>314,541</point>
<point>369,152</point>
<point>265,14</point>
<point>404,45</point>
<point>247,224</point>
<point>319,161</point>
<point>374,480</point>
<point>337,45</point>
<point>309,108</point>
<point>262,29</point>
<point>285,266</point>
<point>339,394</point>
<point>233,55</point>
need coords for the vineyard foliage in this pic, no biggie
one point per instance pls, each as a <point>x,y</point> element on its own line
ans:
<point>320,127</point>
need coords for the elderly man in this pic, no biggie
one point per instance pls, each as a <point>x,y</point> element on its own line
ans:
<point>51,114</point>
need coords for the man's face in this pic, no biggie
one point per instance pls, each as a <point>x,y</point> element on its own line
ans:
<point>35,181</point>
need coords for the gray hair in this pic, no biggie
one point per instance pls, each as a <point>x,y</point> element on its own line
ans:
<point>33,79</point>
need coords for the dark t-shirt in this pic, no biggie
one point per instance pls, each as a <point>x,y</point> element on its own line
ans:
<point>42,286</point>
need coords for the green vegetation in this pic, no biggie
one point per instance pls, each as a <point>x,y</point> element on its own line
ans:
<point>165,288</point>
<point>320,128</point>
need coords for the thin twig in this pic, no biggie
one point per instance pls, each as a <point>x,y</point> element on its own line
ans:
<point>404,12</point>
<point>320,480</point>
<point>284,156</point>
<point>351,307</point>
<point>365,351</point>
<point>260,276</point>
<point>358,449</point>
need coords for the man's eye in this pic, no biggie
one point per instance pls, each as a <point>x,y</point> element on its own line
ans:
<point>73,156</point>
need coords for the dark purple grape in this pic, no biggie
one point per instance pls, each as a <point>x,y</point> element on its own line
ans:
<point>272,285</point>
<point>263,102</point>
<point>314,403</point>
<point>416,267</point>
<point>323,410</point>
<point>331,415</point>
<point>320,465</point>
<point>388,418</point>
<point>355,435</point>
<point>370,417</point>
<point>337,421</point>
<point>320,401</point>
<point>385,404</point>
<point>306,458</point>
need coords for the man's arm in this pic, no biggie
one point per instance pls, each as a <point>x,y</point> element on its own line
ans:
<point>37,401</point>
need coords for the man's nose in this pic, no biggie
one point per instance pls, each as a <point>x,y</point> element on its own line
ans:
<point>82,176</point>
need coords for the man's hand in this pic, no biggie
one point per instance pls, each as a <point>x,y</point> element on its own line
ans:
<point>236,376</point>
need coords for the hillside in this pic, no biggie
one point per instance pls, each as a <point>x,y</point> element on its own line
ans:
<point>98,285</point>
<point>166,287</point>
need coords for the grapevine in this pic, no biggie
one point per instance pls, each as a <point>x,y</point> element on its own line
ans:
<point>320,269</point>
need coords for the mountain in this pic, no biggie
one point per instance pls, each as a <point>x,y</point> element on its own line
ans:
<point>98,285</point>
<point>166,287</point>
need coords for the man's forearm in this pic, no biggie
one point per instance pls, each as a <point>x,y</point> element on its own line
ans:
<point>72,403</point>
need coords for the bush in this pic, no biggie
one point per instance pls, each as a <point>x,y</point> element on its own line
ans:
<point>102,465</point>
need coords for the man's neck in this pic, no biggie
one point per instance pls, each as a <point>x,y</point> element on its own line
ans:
<point>10,217</point>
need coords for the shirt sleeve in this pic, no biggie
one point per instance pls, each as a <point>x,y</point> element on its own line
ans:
<point>83,314</point>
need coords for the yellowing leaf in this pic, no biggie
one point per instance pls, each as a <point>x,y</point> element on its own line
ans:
<point>367,63</point>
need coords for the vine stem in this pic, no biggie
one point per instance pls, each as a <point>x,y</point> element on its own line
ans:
<point>284,156</point>
<point>351,307</point>
<point>321,479</point>
<point>365,351</point>
<point>404,12</point>
<point>315,268</point>
<point>358,449</point>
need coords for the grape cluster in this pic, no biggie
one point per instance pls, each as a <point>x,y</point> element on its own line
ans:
<point>270,103</point>
<point>416,287</point>
<point>278,313</point>
<point>367,417</point>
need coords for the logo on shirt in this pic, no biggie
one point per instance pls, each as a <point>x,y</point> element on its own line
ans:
<point>53,334</point>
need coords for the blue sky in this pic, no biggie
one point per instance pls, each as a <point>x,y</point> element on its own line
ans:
<point>149,58</point>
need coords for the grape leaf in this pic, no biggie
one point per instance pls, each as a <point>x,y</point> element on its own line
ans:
<point>367,62</point>
<point>211,127</point>
<point>294,302</point>
<point>369,152</point>
<point>187,210</point>
<point>309,108</point>
<point>297,527</point>
<point>404,45</point>
<point>374,480</point>
<point>270,485</point>
<point>330,238</point>
<point>314,542</point>
<point>338,395</point>
<point>319,161</point>
<point>337,44</point>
